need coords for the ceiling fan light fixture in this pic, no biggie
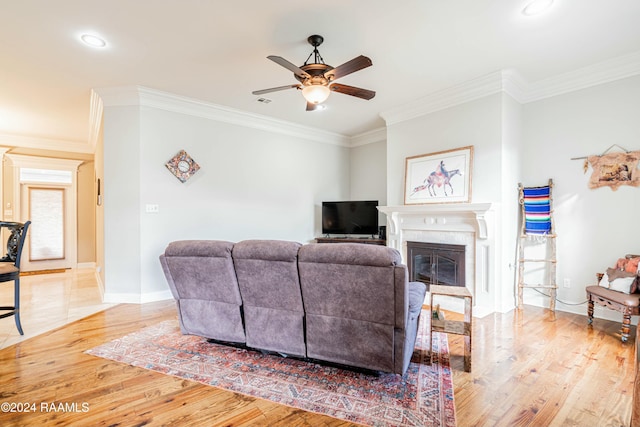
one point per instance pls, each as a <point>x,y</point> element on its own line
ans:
<point>316,94</point>
<point>317,78</point>
<point>536,7</point>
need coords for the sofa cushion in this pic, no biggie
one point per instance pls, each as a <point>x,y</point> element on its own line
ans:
<point>619,280</point>
<point>356,300</point>
<point>350,254</point>
<point>267,250</point>
<point>350,342</point>
<point>211,319</point>
<point>199,248</point>
<point>267,272</point>
<point>202,279</point>
<point>361,277</point>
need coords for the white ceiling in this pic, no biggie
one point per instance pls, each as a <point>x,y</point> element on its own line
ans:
<point>216,51</point>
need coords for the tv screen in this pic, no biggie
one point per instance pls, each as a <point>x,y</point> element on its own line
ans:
<point>359,217</point>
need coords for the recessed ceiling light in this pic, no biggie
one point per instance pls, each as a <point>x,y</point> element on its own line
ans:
<point>93,41</point>
<point>536,7</point>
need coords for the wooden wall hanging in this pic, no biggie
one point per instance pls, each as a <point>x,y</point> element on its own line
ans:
<point>613,169</point>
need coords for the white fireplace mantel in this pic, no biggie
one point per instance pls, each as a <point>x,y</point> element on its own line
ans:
<point>438,214</point>
<point>468,224</point>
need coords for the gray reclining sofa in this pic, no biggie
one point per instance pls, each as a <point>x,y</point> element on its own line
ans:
<point>345,303</point>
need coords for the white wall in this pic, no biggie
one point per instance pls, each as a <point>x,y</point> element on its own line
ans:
<point>368,172</point>
<point>512,142</point>
<point>476,123</point>
<point>253,184</point>
<point>492,125</point>
<point>122,242</point>
<point>594,227</point>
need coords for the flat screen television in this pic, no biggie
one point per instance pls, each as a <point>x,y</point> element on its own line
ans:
<point>356,217</point>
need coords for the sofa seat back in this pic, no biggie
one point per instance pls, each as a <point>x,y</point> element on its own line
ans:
<point>267,273</point>
<point>356,300</point>
<point>202,279</point>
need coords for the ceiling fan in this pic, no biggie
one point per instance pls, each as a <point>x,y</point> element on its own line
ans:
<point>316,78</point>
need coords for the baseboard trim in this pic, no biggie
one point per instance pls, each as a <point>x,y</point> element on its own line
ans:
<point>86,265</point>
<point>122,298</point>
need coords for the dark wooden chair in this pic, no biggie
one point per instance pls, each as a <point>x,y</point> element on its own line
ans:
<point>627,304</point>
<point>10,266</point>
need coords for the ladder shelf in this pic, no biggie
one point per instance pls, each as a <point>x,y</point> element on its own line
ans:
<point>537,222</point>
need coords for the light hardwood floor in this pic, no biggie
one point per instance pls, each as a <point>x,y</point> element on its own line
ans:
<point>49,301</point>
<point>530,368</point>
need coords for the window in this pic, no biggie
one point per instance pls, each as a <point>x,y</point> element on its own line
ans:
<point>47,218</point>
<point>49,176</point>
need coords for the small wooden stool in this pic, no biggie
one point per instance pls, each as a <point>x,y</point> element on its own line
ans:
<point>458,327</point>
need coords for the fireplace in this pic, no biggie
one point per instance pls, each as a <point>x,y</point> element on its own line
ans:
<point>466,225</point>
<point>436,263</point>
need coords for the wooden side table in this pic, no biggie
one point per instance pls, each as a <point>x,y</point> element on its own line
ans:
<point>459,327</point>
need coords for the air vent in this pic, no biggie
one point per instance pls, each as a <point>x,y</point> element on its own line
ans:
<point>264,100</point>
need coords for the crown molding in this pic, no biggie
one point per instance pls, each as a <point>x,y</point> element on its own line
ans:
<point>510,82</point>
<point>446,98</point>
<point>585,77</point>
<point>41,143</point>
<point>507,81</point>
<point>369,137</point>
<point>143,96</point>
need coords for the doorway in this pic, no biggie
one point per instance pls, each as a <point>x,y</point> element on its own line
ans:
<point>49,238</point>
<point>45,192</point>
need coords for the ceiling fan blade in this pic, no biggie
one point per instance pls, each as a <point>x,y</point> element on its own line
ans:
<point>348,67</point>
<point>311,106</point>
<point>274,89</point>
<point>353,91</point>
<point>289,66</point>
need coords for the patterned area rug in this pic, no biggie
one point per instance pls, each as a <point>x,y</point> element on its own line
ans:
<point>422,397</point>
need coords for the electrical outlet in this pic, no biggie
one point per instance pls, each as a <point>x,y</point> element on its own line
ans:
<point>567,283</point>
<point>152,208</point>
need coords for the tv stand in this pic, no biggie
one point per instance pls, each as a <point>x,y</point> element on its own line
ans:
<point>365,240</point>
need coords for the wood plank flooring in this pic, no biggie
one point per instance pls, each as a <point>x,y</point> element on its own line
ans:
<point>530,368</point>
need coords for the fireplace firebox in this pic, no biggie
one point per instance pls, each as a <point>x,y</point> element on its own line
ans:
<point>436,263</point>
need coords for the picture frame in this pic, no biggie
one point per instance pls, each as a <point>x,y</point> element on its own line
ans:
<point>440,177</point>
<point>615,169</point>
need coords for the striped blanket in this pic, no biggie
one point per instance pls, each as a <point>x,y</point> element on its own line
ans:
<point>537,210</point>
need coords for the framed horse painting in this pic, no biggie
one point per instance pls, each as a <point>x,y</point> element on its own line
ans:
<point>442,177</point>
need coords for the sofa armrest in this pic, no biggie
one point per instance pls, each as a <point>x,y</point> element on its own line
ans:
<point>417,291</point>
<point>401,294</point>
